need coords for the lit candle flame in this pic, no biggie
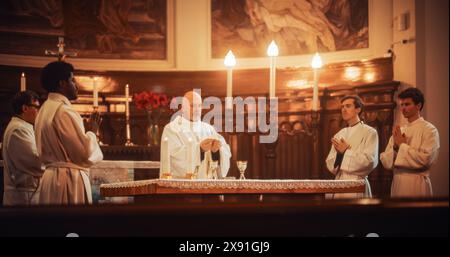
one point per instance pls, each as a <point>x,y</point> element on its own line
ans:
<point>316,62</point>
<point>272,50</point>
<point>230,60</point>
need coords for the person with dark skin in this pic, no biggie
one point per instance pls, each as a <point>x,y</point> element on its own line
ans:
<point>65,146</point>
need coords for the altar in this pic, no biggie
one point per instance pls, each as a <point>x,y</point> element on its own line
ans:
<point>109,171</point>
<point>230,190</point>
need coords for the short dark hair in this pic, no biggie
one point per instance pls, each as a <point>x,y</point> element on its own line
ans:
<point>23,98</point>
<point>357,101</point>
<point>415,94</point>
<point>55,72</point>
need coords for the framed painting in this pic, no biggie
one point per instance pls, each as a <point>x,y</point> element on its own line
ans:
<point>137,30</point>
<point>298,27</point>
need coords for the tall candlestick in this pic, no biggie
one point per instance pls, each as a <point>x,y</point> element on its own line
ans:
<point>127,107</point>
<point>165,158</point>
<point>128,133</point>
<point>127,116</point>
<point>316,91</point>
<point>272,77</point>
<point>316,64</point>
<point>230,62</point>
<point>95,92</point>
<point>190,159</point>
<point>229,98</point>
<point>23,85</point>
<point>272,52</point>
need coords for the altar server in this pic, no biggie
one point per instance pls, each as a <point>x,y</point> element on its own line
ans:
<point>412,149</point>
<point>192,144</point>
<point>22,168</point>
<point>354,150</point>
<point>64,146</point>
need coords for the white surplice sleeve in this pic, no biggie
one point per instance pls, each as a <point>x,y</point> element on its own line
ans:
<point>225,155</point>
<point>424,156</point>
<point>387,157</point>
<point>24,154</point>
<point>331,158</point>
<point>82,147</point>
<point>361,163</point>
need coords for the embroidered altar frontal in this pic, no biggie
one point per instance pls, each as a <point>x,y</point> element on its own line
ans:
<point>185,186</point>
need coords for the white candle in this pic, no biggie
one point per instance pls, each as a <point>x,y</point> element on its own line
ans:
<point>190,159</point>
<point>165,156</point>
<point>95,92</point>
<point>127,107</point>
<point>315,105</point>
<point>316,64</point>
<point>272,77</point>
<point>229,99</point>
<point>128,132</point>
<point>230,62</point>
<point>272,52</point>
<point>23,85</point>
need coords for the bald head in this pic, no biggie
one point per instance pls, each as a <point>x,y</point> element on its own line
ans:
<point>192,106</point>
<point>192,96</point>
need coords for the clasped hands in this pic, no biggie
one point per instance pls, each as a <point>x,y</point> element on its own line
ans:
<point>93,122</point>
<point>340,145</point>
<point>210,144</point>
<point>399,137</point>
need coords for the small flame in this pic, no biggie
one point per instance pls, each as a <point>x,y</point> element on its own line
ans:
<point>230,60</point>
<point>272,50</point>
<point>316,62</point>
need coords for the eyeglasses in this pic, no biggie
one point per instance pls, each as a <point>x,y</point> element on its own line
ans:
<point>34,105</point>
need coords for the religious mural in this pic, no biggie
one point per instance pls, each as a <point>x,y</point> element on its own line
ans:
<point>113,29</point>
<point>297,26</point>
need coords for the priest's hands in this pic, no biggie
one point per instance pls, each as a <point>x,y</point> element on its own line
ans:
<point>340,145</point>
<point>92,124</point>
<point>399,137</point>
<point>215,146</point>
<point>206,144</point>
<point>210,144</point>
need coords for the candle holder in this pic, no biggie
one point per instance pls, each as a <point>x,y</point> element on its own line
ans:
<point>315,126</point>
<point>128,141</point>
<point>97,133</point>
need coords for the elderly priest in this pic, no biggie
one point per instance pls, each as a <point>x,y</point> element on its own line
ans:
<point>190,145</point>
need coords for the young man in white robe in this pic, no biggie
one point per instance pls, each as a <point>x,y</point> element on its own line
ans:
<point>192,145</point>
<point>64,146</point>
<point>22,167</point>
<point>354,150</point>
<point>412,149</point>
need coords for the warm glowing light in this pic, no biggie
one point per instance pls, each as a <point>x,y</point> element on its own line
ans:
<point>369,77</point>
<point>316,62</point>
<point>272,50</point>
<point>302,83</point>
<point>230,60</point>
<point>352,73</point>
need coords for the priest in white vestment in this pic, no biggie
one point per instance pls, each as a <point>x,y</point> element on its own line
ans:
<point>412,149</point>
<point>22,167</point>
<point>354,150</point>
<point>191,145</point>
<point>64,146</point>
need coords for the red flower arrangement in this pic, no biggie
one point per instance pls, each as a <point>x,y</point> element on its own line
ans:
<point>154,104</point>
<point>149,101</point>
